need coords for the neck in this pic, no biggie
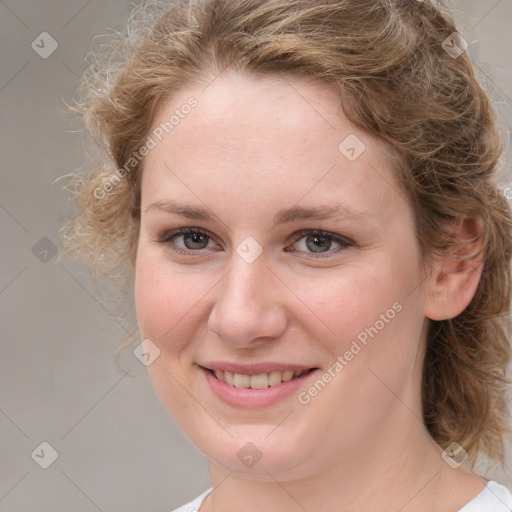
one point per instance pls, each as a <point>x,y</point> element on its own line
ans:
<point>400,470</point>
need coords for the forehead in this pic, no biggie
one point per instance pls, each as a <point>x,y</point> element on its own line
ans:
<point>273,139</point>
<point>233,106</point>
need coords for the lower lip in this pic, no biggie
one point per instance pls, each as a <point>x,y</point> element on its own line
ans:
<point>248,397</point>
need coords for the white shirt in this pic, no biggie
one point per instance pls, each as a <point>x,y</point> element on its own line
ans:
<point>494,498</point>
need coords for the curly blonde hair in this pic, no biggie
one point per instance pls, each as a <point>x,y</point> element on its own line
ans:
<point>396,81</point>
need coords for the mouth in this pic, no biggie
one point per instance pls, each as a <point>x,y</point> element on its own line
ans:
<point>260,381</point>
<point>255,385</point>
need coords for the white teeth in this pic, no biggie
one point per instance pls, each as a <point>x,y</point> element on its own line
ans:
<point>274,378</point>
<point>259,381</point>
<point>241,381</point>
<point>262,381</point>
<point>287,375</point>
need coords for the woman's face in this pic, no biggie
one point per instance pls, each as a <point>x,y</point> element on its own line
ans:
<point>299,256</point>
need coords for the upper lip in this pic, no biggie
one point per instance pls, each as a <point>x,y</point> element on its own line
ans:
<point>254,368</point>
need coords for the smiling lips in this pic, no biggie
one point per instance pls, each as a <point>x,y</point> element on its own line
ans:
<point>254,384</point>
<point>261,381</point>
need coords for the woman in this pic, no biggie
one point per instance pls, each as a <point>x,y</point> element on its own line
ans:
<point>305,195</point>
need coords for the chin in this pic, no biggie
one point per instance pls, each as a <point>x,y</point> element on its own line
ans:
<point>255,453</point>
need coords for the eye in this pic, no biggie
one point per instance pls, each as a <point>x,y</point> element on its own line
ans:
<point>315,242</point>
<point>186,239</point>
<point>318,242</point>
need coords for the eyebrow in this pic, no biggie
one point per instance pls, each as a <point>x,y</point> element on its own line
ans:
<point>283,216</point>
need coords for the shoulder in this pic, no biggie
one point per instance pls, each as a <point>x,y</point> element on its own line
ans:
<point>494,498</point>
<point>193,506</point>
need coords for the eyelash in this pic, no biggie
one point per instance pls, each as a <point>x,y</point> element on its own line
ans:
<point>166,239</point>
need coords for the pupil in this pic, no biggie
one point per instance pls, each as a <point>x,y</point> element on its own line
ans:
<point>195,240</point>
<point>318,242</point>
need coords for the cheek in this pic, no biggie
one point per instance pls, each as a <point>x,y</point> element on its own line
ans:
<point>377,321</point>
<point>150,299</point>
<point>168,302</point>
<point>370,314</point>
<point>168,311</point>
<point>347,302</point>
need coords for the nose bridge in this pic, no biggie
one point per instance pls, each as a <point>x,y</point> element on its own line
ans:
<point>242,280</point>
<point>246,307</point>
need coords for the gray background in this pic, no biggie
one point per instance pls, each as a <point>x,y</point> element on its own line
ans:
<point>118,448</point>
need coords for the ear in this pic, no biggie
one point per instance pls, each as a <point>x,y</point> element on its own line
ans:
<point>454,279</point>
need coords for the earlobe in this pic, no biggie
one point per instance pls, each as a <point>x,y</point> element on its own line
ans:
<point>455,277</point>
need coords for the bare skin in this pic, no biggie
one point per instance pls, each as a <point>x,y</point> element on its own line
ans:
<point>250,149</point>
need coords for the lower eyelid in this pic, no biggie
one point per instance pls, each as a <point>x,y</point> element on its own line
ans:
<point>342,242</point>
<point>171,237</point>
<point>330,251</point>
<point>167,239</point>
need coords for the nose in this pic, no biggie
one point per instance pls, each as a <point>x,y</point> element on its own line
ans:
<point>249,309</point>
